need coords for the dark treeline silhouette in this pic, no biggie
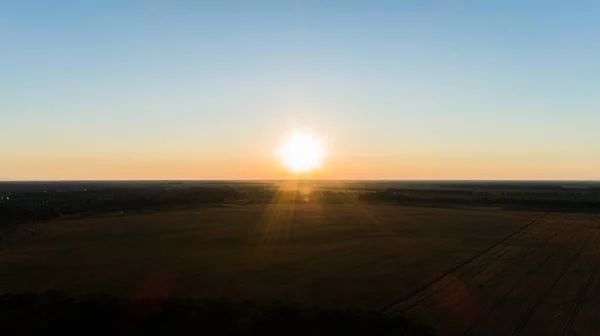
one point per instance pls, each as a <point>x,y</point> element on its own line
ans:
<point>57,313</point>
<point>460,197</point>
<point>39,201</point>
<point>38,205</point>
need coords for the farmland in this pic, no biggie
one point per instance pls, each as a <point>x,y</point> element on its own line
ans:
<point>463,270</point>
<point>541,280</point>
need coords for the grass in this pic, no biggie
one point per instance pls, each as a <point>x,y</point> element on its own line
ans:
<point>335,256</point>
<point>541,280</point>
<point>478,271</point>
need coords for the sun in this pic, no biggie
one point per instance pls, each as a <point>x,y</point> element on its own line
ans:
<point>301,152</point>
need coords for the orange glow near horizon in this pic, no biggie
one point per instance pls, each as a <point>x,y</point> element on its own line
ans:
<point>264,167</point>
<point>341,163</point>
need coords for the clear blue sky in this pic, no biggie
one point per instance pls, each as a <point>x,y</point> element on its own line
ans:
<point>206,89</point>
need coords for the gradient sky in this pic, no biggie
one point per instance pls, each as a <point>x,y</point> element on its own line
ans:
<point>157,89</point>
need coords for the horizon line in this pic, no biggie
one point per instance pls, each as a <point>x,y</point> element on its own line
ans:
<point>307,179</point>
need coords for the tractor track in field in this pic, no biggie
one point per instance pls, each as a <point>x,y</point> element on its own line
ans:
<point>501,253</point>
<point>417,291</point>
<point>548,290</point>
<point>584,290</point>
<point>500,272</point>
<point>517,284</point>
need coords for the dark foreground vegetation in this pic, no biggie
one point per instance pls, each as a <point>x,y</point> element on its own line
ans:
<point>58,313</point>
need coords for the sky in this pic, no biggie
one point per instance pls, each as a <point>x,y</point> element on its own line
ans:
<point>422,89</point>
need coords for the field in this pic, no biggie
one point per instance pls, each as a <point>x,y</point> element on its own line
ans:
<point>475,271</point>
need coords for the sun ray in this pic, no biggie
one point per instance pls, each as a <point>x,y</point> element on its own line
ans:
<point>274,227</point>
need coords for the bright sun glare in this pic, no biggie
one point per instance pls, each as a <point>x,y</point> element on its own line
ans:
<point>301,152</point>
